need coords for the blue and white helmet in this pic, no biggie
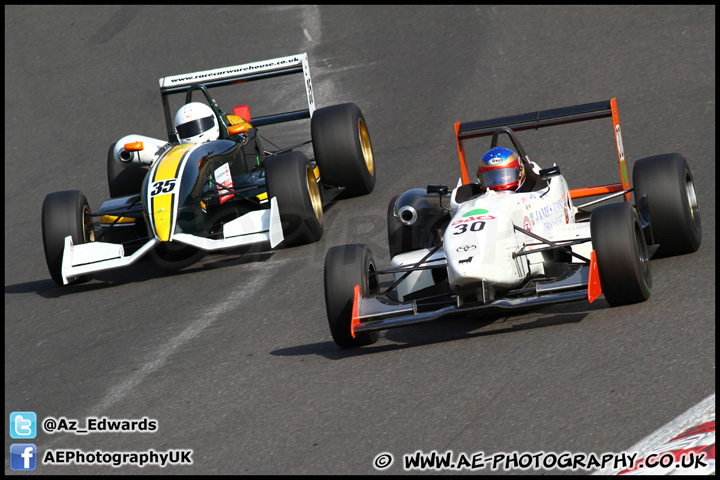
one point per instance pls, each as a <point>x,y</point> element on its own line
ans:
<point>501,169</point>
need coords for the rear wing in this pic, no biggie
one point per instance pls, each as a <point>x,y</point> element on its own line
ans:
<point>248,72</point>
<point>549,118</point>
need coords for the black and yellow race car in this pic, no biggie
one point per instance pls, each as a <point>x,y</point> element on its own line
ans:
<point>176,201</point>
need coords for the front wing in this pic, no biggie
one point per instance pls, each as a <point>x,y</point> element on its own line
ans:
<point>379,312</point>
<point>254,227</point>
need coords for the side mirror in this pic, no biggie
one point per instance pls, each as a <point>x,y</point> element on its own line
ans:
<point>238,128</point>
<point>546,173</point>
<point>441,189</point>
<point>134,147</point>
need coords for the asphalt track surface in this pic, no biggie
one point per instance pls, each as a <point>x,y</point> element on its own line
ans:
<point>233,356</point>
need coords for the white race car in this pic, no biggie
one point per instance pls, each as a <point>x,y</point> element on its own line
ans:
<point>475,250</point>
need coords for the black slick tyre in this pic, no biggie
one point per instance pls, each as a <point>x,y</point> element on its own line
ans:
<point>342,147</point>
<point>345,267</point>
<point>290,178</point>
<point>65,213</point>
<point>675,221</point>
<point>622,255</point>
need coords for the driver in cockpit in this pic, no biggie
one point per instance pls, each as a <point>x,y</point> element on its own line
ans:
<point>195,122</point>
<point>501,169</point>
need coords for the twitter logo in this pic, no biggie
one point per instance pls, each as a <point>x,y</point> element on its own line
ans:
<point>23,425</point>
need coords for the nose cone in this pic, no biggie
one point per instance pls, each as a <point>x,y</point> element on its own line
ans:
<point>480,241</point>
<point>162,216</point>
<point>162,184</point>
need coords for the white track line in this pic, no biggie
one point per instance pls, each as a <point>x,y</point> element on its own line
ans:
<point>311,29</point>
<point>159,357</point>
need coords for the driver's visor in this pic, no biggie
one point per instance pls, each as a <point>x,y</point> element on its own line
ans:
<point>500,176</point>
<point>195,127</point>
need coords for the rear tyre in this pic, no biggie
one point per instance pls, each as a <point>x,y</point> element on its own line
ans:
<point>65,213</point>
<point>674,214</point>
<point>622,256</point>
<point>290,178</point>
<point>343,150</point>
<point>345,267</point>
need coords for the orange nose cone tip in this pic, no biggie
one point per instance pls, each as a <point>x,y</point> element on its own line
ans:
<point>594,287</point>
<point>355,311</point>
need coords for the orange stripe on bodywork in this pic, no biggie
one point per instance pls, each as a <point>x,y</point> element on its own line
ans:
<point>162,205</point>
<point>355,322</point>
<point>599,190</point>
<point>594,287</point>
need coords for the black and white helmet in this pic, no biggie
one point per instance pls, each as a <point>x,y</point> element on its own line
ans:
<point>195,123</point>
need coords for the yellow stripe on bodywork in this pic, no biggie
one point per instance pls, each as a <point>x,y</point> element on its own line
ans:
<point>162,205</point>
<point>108,219</point>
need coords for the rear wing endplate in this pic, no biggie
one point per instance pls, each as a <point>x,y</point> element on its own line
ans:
<point>248,72</point>
<point>549,118</point>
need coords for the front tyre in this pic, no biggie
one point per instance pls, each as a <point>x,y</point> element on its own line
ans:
<point>345,267</point>
<point>65,213</point>
<point>674,214</point>
<point>343,150</point>
<point>290,178</point>
<point>622,256</point>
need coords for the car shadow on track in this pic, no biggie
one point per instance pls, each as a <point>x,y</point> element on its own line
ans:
<point>458,328</point>
<point>142,271</point>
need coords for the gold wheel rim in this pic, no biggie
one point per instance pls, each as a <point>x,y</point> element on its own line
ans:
<point>314,191</point>
<point>366,147</point>
<point>692,199</point>
<point>88,227</point>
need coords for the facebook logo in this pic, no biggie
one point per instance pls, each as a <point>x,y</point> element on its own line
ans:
<point>23,425</point>
<point>22,456</point>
